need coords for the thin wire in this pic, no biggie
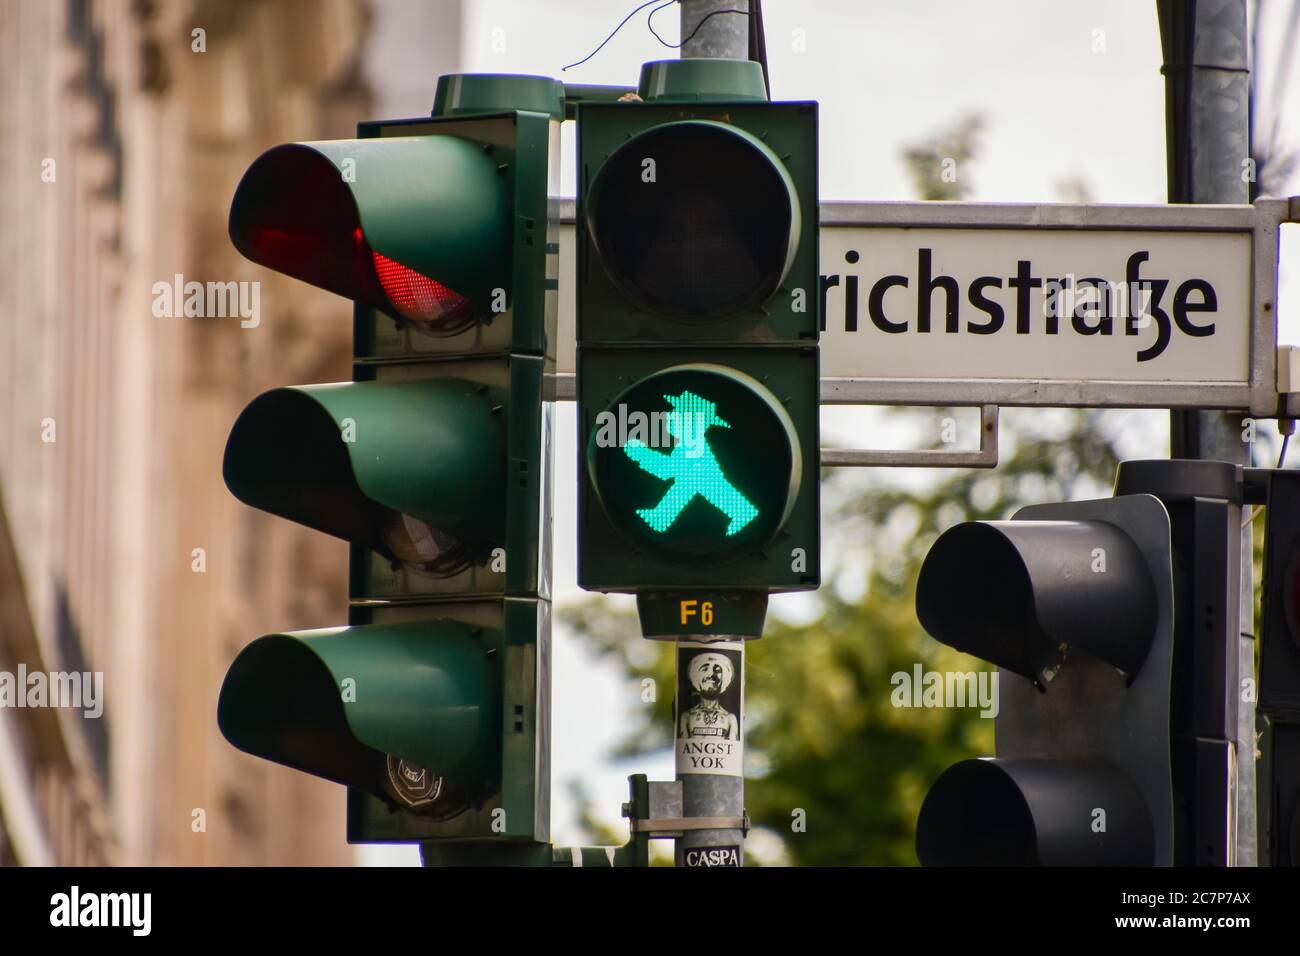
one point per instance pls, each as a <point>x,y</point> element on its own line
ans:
<point>703,20</point>
<point>758,43</point>
<point>650,24</point>
<point>623,23</point>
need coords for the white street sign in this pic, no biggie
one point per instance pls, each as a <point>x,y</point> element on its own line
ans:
<point>1047,304</point>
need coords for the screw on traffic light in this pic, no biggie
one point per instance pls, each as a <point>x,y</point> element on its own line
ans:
<point>1075,603</point>
<point>698,318</point>
<point>432,705</point>
<point>1279,673</point>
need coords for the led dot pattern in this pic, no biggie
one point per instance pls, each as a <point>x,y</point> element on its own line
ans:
<point>690,466</point>
<point>416,296</point>
<point>694,464</point>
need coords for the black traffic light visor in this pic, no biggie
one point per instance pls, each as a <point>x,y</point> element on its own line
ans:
<point>1034,813</point>
<point>1018,593</point>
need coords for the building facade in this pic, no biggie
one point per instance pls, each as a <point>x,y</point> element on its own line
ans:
<point>125,125</point>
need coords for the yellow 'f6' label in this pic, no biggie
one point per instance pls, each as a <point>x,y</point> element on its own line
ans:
<point>699,612</point>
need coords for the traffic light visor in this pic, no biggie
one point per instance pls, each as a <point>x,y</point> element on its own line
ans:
<point>340,702</point>
<point>418,227</point>
<point>1018,593</point>
<point>695,220</point>
<point>412,469</point>
<point>1031,812</point>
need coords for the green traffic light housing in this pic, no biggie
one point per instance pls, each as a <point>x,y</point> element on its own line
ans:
<point>698,313</point>
<point>409,713</point>
<point>436,481</point>
<point>432,706</point>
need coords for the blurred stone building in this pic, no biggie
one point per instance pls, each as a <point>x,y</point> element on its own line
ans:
<point>124,127</point>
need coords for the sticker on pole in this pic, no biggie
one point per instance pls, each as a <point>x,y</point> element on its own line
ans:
<point>708,856</point>
<point>710,695</point>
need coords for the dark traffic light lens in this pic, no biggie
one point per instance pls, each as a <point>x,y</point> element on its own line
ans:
<point>695,220</point>
<point>1034,812</point>
<point>695,464</point>
<point>1291,598</point>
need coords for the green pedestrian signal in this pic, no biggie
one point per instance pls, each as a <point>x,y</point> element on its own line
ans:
<point>698,463</point>
<point>691,466</point>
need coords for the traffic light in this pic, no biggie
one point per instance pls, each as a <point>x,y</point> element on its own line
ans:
<point>432,705</point>
<point>698,312</point>
<point>1075,604</point>
<point>1279,673</point>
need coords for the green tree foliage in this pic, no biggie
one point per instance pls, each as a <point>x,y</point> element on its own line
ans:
<point>939,165</point>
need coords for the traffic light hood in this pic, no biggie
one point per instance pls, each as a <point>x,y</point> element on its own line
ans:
<point>698,220</point>
<point>1019,593</point>
<point>339,702</point>
<point>419,227</point>
<point>415,470</point>
<point>1029,813</point>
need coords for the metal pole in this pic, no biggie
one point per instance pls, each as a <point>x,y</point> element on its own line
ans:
<point>702,722</point>
<point>722,35</point>
<point>1208,147</point>
<point>709,743</point>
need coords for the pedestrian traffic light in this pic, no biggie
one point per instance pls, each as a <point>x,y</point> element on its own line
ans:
<point>432,705</point>
<point>698,317</point>
<point>1279,673</point>
<point>1075,604</point>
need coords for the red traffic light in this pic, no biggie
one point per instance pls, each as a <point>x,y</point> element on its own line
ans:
<point>418,227</point>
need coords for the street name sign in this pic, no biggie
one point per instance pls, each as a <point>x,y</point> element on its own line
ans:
<point>940,303</point>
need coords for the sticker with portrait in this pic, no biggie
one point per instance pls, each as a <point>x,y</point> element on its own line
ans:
<point>710,695</point>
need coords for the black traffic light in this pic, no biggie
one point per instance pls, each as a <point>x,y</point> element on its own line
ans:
<point>1279,674</point>
<point>432,705</point>
<point>1075,604</point>
<point>698,318</point>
